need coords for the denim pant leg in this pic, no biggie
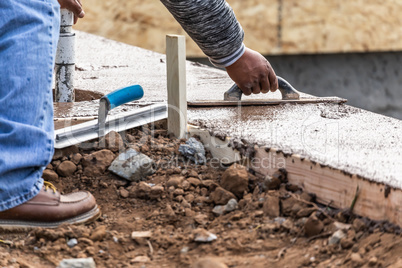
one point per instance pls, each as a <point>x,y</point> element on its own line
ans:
<point>29,31</point>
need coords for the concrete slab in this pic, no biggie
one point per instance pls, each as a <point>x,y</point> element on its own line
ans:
<point>339,136</point>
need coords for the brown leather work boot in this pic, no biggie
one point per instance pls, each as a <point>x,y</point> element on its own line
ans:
<point>49,209</point>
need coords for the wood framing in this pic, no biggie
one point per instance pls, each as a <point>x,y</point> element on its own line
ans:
<point>176,84</point>
<point>332,186</point>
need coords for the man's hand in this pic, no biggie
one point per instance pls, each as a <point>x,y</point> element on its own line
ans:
<point>253,73</point>
<point>74,6</point>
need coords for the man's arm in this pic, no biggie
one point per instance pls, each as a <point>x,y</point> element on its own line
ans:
<point>213,26</point>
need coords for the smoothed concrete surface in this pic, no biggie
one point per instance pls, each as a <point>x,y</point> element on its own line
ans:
<point>340,136</point>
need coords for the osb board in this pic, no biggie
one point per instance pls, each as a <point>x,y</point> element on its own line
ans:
<point>271,27</point>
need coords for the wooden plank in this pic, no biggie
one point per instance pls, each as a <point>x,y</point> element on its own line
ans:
<point>176,85</point>
<point>213,103</point>
<point>332,186</point>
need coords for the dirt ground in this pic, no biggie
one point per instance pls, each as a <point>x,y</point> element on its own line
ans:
<point>273,224</point>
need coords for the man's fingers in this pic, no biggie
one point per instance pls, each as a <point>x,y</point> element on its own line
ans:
<point>74,6</point>
<point>246,90</point>
<point>82,13</point>
<point>256,88</point>
<point>264,84</point>
<point>273,81</point>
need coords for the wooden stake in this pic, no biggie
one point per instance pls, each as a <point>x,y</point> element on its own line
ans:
<point>176,85</point>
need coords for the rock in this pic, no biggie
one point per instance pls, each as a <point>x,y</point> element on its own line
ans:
<point>189,198</point>
<point>204,191</point>
<point>292,187</point>
<point>66,168</point>
<point>112,141</point>
<point>193,150</point>
<point>99,233</point>
<point>50,175</point>
<point>397,264</point>
<point>141,234</point>
<point>169,212</point>
<point>346,243</point>
<point>189,212</point>
<point>123,192</point>
<point>281,175</point>
<point>313,226</point>
<point>218,210</point>
<point>271,206</point>
<point>341,226</point>
<point>140,259</point>
<point>60,153</point>
<point>72,242</point>
<point>358,225</point>
<point>356,258</point>
<point>192,173</point>
<point>178,192</point>
<point>175,181</point>
<point>208,263</point>
<point>186,185</point>
<point>336,237</point>
<point>221,196</point>
<point>373,261</point>
<point>305,212</point>
<point>271,183</point>
<point>202,235</point>
<point>194,181</point>
<point>96,163</point>
<point>235,179</point>
<point>306,196</point>
<point>77,263</point>
<point>287,224</point>
<point>231,205</point>
<point>132,165</point>
<point>201,219</point>
<point>156,192</point>
<point>141,190</point>
<point>210,184</point>
<point>287,205</point>
<point>76,158</point>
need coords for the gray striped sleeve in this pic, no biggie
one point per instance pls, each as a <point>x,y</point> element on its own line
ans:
<point>212,25</point>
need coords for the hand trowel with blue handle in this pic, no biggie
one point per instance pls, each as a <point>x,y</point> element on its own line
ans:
<point>72,135</point>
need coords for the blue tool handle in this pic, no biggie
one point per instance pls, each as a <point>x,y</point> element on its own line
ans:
<point>124,95</point>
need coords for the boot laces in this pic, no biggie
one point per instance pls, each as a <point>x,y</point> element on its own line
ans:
<point>49,185</point>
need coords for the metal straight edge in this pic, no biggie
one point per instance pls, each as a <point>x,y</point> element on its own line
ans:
<point>72,135</point>
<point>262,102</point>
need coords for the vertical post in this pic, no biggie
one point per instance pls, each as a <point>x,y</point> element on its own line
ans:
<point>65,59</point>
<point>176,85</point>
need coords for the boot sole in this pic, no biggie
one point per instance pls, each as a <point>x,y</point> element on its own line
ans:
<point>11,225</point>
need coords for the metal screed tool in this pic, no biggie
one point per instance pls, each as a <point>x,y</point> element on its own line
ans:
<point>233,96</point>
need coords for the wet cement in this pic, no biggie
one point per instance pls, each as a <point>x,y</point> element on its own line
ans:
<point>340,136</point>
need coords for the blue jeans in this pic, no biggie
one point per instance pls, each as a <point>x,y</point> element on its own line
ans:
<point>29,31</point>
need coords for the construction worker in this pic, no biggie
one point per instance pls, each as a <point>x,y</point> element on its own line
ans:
<point>29,32</point>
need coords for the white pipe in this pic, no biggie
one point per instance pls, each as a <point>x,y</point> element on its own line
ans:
<point>65,59</point>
